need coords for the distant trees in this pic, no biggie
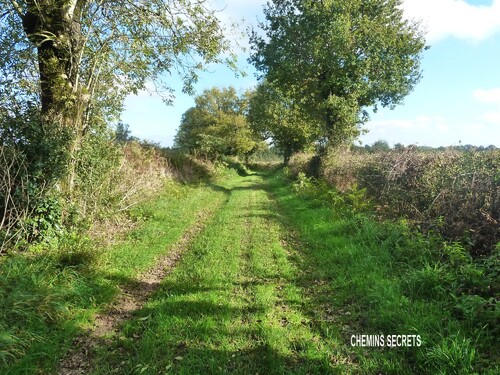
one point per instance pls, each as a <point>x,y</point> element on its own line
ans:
<point>276,116</point>
<point>217,125</point>
<point>380,145</point>
<point>383,146</point>
<point>123,133</point>
<point>337,58</point>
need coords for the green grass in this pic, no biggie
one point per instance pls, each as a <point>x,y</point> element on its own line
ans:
<point>379,278</point>
<point>276,283</point>
<point>230,306</point>
<point>47,299</point>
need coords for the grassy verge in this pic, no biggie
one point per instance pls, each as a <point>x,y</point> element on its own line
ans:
<point>47,299</point>
<point>373,278</point>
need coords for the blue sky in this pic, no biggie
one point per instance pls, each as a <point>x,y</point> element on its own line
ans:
<point>458,99</point>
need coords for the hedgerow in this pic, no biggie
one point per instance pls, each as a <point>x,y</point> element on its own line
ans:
<point>455,194</point>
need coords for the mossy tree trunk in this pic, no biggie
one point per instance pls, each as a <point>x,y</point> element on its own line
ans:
<point>54,28</point>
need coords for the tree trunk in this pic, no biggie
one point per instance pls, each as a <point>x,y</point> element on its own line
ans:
<point>287,154</point>
<point>54,29</point>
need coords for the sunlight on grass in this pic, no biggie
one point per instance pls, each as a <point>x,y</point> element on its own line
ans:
<point>47,299</point>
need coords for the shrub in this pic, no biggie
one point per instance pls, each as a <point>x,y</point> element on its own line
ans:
<point>13,189</point>
<point>111,178</point>
<point>30,212</point>
<point>454,193</point>
<point>189,168</point>
<point>300,163</point>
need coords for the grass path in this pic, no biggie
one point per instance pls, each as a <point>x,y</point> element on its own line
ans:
<point>230,306</point>
<point>130,299</point>
<point>244,276</point>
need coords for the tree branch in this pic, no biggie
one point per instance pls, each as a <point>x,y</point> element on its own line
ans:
<point>17,8</point>
<point>69,9</point>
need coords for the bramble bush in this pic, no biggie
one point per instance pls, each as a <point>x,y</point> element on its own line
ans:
<point>453,193</point>
<point>32,160</point>
<point>113,177</point>
<point>13,196</point>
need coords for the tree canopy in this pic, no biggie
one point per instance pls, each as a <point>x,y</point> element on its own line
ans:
<point>76,60</point>
<point>217,125</point>
<point>276,116</point>
<point>339,58</point>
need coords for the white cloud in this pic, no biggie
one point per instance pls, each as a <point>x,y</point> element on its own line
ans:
<point>390,124</point>
<point>238,16</point>
<point>492,118</point>
<point>441,18</point>
<point>240,8</point>
<point>442,128</point>
<point>491,96</point>
<point>455,18</point>
<point>488,96</point>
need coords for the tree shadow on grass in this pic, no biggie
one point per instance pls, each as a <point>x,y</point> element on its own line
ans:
<point>44,302</point>
<point>242,187</point>
<point>186,328</point>
<point>258,359</point>
<point>184,337</point>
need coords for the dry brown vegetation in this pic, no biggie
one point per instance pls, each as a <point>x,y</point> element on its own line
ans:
<point>453,193</point>
<point>13,168</point>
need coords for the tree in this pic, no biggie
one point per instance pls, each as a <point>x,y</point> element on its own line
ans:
<point>123,133</point>
<point>380,146</point>
<point>87,55</point>
<point>399,146</point>
<point>217,125</point>
<point>339,58</point>
<point>273,115</point>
